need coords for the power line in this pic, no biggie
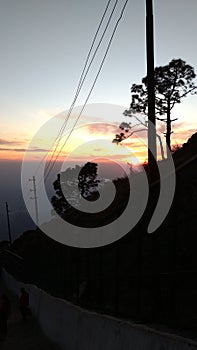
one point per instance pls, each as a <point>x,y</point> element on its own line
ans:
<point>84,74</point>
<point>80,83</point>
<point>95,80</point>
<point>79,86</point>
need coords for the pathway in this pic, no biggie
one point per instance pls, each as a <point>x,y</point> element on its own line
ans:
<point>23,336</point>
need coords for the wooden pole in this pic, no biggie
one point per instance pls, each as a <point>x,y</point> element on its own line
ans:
<point>8,221</point>
<point>152,153</point>
<point>35,199</point>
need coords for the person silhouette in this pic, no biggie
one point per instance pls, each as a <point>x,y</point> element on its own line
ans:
<point>24,303</point>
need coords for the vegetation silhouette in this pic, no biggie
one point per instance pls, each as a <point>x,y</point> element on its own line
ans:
<point>72,182</point>
<point>83,180</point>
<point>173,82</point>
<point>145,278</point>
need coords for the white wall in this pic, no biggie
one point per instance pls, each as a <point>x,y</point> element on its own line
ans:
<point>76,329</point>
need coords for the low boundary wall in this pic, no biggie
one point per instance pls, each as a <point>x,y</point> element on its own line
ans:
<point>74,328</point>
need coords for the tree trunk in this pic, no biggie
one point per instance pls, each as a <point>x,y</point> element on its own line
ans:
<point>168,131</point>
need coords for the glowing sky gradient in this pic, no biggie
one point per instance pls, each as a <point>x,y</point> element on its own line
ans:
<point>44,44</point>
<point>43,48</point>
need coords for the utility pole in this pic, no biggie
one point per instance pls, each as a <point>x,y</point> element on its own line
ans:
<point>152,150</point>
<point>8,221</point>
<point>35,198</point>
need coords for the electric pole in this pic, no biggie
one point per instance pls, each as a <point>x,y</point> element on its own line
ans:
<point>152,150</point>
<point>35,199</point>
<point>8,221</point>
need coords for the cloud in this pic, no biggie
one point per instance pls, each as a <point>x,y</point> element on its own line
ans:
<point>11,142</point>
<point>103,128</point>
<point>23,150</point>
<point>135,144</point>
<point>98,149</point>
<point>100,112</point>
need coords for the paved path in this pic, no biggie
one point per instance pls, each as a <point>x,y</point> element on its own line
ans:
<point>23,336</point>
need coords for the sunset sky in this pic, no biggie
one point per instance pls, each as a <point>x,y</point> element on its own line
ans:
<point>43,48</point>
<point>44,45</point>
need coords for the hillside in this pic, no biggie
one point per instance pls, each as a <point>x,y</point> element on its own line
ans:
<point>147,277</point>
<point>187,152</point>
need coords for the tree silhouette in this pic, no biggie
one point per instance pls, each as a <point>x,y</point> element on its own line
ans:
<point>72,182</point>
<point>172,82</point>
<point>87,180</point>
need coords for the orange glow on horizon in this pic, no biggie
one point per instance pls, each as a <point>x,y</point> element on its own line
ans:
<point>14,149</point>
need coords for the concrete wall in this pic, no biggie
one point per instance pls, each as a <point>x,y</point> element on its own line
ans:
<point>76,329</point>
